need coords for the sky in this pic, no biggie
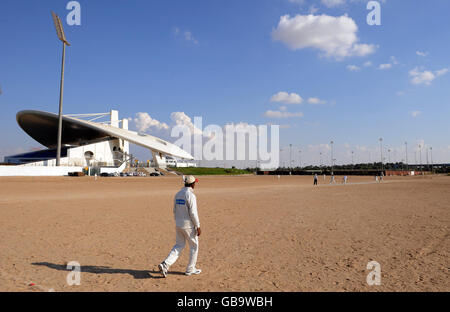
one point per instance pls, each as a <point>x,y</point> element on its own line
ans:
<point>316,68</point>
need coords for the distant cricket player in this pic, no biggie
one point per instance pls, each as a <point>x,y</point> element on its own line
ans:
<point>315,179</point>
<point>332,180</point>
<point>187,228</point>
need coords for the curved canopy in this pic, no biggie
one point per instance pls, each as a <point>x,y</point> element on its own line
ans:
<point>43,127</point>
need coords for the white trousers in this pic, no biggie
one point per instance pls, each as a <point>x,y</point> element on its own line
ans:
<point>183,235</point>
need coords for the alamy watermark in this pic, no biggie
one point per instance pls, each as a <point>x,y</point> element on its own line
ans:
<point>374,277</point>
<point>74,277</point>
<point>233,142</point>
<point>374,16</point>
<point>74,16</point>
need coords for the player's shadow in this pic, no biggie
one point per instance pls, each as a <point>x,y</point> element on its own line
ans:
<point>137,274</point>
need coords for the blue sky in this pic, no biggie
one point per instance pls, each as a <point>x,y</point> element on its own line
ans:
<point>228,61</point>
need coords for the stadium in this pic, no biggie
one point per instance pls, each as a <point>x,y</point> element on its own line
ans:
<point>85,143</point>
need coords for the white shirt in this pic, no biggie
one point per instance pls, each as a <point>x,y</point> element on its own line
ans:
<point>185,209</point>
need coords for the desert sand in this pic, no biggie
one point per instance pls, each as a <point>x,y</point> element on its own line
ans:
<point>260,233</point>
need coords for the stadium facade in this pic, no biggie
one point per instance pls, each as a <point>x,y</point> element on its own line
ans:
<point>88,143</point>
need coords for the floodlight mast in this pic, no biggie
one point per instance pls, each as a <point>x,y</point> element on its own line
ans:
<point>61,36</point>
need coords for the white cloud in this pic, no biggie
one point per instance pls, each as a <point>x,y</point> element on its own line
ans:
<point>189,37</point>
<point>394,60</point>
<point>421,53</point>
<point>415,113</point>
<point>441,72</point>
<point>425,76</point>
<point>144,121</point>
<point>353,68</point>
<point>400,93</point>
<point>388,65</point>
<point>181,119</point>
<point>315,101</point>
<point>334,36</point>
<point>385,66</point>
<point>332,3</point>
<point>367,64</point>
<point>279,114</point>
<point>186,34</point>
<point>286,98</point>
<point>282,108</point>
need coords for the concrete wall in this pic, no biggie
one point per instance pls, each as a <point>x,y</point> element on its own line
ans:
<point>23,171</point>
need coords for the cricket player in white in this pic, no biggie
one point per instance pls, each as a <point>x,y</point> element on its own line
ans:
<point>187,228</point>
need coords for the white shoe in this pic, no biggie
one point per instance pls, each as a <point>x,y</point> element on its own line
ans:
<point>195,272</point>
<point>162,269</point>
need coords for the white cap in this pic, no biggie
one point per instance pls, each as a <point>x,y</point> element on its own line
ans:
<point>190,179</point>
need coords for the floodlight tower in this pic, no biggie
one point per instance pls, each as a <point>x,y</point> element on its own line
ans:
<point>381,151</point>
<point>62,37</point>
<point>406,154</point>
<point>332,142</point>
<point>420,157</point>
<point>431,154</point>
<point>290,155</point>
<point>389,155</point>
<point>300,158</point>
<point>282,162</point>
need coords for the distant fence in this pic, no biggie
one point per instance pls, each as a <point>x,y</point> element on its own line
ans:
<point>367,172</point>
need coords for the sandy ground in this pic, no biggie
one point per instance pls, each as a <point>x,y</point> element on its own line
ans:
<point>259,234</point>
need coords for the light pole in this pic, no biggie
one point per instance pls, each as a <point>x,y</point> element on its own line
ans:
<point>282,162</point>
<point>389,156</point>
<point>353,163</point>
<point>431,154</point>
<point>300,157</point>
<point>381,151</point>
<point>332,142</point>
<point>406,154</point>
<point>290,155</point>
<point>420,157</point>
<point>62,37</point>
<point>320,159</point>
